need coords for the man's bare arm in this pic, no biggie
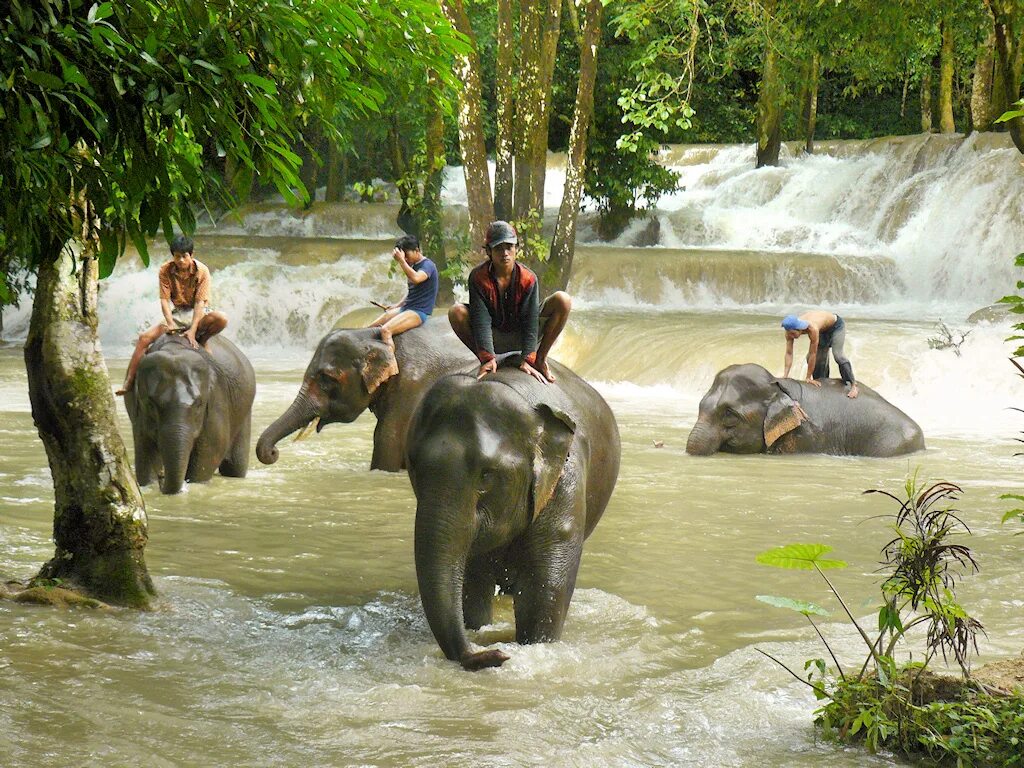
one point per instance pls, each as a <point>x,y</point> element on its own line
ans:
<point>167,309</point>
<point>789,358</point>
<point>812,353</point>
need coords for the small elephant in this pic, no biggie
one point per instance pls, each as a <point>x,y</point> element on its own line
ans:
<point>191,412</point>
<point>747,410</point>
<point>510,477</point>
<point>352,370</point>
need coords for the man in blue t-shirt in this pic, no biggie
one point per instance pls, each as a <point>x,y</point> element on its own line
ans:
<point>419,300</point>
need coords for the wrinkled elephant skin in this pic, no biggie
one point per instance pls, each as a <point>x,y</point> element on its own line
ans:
<point>747,410</point>
<point>353,370</point>
<point>510,477</point>
<point>191,412</point>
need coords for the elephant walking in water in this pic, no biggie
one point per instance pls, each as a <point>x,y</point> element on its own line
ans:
<point>747,410</point>
<point>510,476</point>
<point>352,370</point>
<point>191,412</point>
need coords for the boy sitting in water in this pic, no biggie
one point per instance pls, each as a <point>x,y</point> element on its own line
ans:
<point>419,300</point>
<point>185,303</point>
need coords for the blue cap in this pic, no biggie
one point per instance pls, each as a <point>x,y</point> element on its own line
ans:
<point>794,323</point>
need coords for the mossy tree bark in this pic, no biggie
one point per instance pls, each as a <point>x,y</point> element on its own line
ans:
<point>430,213</point>
<point>1008,19</point>
<point>504,87</point>
<point>471,127</point>
<point>336,172</point>
<point>809,102</point>
<point>769,110</point>
<point>563,246</point>
<point>981,87</point>
<point>946,123</point>
<point>926,99</point>
<point>100,526</point>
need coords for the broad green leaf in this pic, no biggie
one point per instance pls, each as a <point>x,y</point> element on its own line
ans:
<point>799,557</point>
<point>44,79</point>
<point>800,606</point>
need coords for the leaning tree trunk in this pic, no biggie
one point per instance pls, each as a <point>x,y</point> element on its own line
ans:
<point>946,124</point>
<point>430,210</point>
<point>99,525</point>
<point>531,130</point>
<point>564,244</point>
<point>471,127</point>
<point>336,172</point>
<point>981,87</point>
<point>809,103</point>
<point>926,100</point>
<point>1008,18</point>
<point>769,110</point>
<point>505,113</point>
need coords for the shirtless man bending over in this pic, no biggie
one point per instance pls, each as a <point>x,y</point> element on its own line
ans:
<point>825,331</point>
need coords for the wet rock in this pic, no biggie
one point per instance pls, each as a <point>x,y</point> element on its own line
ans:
<point>994,313</point>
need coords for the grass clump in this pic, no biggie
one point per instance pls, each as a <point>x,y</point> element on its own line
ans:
<point>902,706</point>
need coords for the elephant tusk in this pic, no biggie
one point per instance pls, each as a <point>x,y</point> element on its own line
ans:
<point>307,429</point>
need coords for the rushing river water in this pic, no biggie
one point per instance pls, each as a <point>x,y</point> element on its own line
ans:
<point>289,630</point>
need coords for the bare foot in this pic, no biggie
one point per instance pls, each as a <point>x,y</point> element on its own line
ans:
<point>542,366</point>
<point>853,392</point>
<point>385,336</point>
<point>123,390</point>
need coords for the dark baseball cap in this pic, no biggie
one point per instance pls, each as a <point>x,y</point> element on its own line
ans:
<point>499,232</point>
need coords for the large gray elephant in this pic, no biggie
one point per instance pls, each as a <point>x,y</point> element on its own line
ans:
<point>747,410</point>
<point>352,370</point>
<point>510,477</point>
<point>191,412</point>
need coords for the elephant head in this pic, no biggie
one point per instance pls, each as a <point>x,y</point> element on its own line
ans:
<point>171,395</point>
<point>341,381</point>
<point>484,463</point>
<point>747,410</point>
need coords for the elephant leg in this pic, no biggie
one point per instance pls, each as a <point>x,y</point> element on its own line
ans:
<point>146,459</point>
<point>236,462</point>
<point>478,593</point>
<point>388,445</point>
<point>549,561</point>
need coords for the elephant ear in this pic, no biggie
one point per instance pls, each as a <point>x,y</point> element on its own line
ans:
<point>550,453</point>
<point>379,365</point>
<point>783,416</point>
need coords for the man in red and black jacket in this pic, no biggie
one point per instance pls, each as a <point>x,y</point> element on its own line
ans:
<point>504,312</point>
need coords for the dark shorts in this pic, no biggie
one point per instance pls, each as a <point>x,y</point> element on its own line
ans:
<point>424,316</point>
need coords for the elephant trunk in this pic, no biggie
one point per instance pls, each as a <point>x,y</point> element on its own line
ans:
<point>302,411</point>
<point>703,440</point>
<point>175,446</point>
<point>444,533</point>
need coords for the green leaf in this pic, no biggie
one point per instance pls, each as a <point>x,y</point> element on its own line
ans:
<point>44,79</point>
<point>800,606</point>
<point>799,557</point>
<point>268,86</point>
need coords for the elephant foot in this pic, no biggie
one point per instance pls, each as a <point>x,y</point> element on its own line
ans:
<point>491,657</point>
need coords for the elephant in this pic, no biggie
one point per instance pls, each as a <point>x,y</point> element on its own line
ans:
<point>747,410</point>
<point>191,412</point>
<point>352,370</point>
<point>510,476</point>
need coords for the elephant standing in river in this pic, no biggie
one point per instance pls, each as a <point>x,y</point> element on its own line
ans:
<point>747,410</point>
<point>510,476</point>
<point>352,370</point>
<point>191,412</point>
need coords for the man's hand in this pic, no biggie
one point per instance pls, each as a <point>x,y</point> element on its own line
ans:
<point>190,334</point>
<point>527,368</point>
<point>812,381</point>
<point>489,367</point>
<point>398,255</point>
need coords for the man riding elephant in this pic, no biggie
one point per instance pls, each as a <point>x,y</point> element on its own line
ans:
<point>185,304</point>
<point>826,331</point>
<point>504,313</point>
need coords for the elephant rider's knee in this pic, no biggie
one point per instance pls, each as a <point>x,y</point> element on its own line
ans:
<point>458,313</point>
<point>562,300</point>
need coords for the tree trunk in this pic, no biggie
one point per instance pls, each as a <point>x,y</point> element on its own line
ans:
<point>238,179</point>
<point>336,168</point>
<point>431,215</point>
<point>99,527</point>
<point>1009,48</point>
<point>563,245</point>
<point>926,100</point>
<point>769,110</point>
<point>981,88</point>
<point>809,103</point>
<point>471,128</point>
<point>946,124</point>
<point>310,170</point>
<point>505,117</point>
